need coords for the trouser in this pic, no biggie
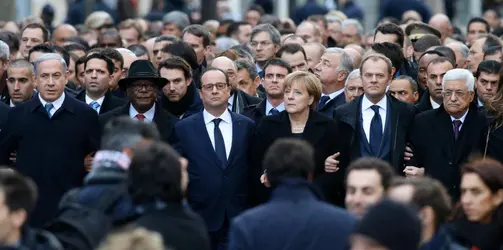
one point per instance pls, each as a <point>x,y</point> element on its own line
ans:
<point>220,238</point>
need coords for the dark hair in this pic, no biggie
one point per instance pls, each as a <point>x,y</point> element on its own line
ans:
<point>78,62</point>
<point>293,36</point>
<point>392,29</point>
<point>75,46</point>
<point>45,32</point>
<point>63,52</point>
<point>11,39</point>
<point>478,20</point>
<point>498,32</point>
<point>491,42</point>
<point>176,62</point>
<point>288,158</point>
<point>492,51</point>
<point>95,50</point>
<point>411,80</point>
<point>392,51</point>
<point>489,67</point>
<point>426,42</point>
<point>389,19</point>
<point>44,48</point>
<point>155,173</point>
<point>234,28</point>
<point>20,192</point>
<point>370,163</point>
<point>277,62</point>
<point>317,18</point>
<point>139,50</point>
<point>492,8</point>
<point>168,38</point>
<point>112,33</point>
<point>122,132</point>
<point>78,40</point>
<point>183,50</point>
<point>291,48</point>
<point>431,52</point>
<point>438,60</point>
<point>241,49</point>
<point>257,8</point>
<point>199,31</point>
<point>448,52</point>
<point>114,55</point>
<point>270,19</point>
<point>108,61</point>
<point>212,69</point>
<point>248,66</point>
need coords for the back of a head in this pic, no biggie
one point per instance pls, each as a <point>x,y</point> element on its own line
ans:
<point>133,239</point>
<point>425,42</point>
<point>138,49</point>
<point>122,132</point>
<point>448,52</point>
<point>183,50</point>
<point>391,51</point>
<point>391,29</point>
<point>19,192</point>
<point>11,39</point>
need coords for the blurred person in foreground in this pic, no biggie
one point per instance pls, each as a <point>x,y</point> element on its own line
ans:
<point>133,239</point>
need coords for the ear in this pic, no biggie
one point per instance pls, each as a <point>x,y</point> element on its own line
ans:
<point>393,71</point>
<point>123,73</point>
<point>18,218</point>
<point>498,198</point>
<point>256,82</point>
<point>189,81</point>
<point>311,100</point>
<point>472,95</point>
<point>342,75</point>
<point>207,49</point>
<point>416,96</point>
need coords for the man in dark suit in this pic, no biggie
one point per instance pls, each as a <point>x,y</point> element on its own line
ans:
<point>486,85</point>
<point>275,71</point>
<point>374,124</point>
<point>333,69</point>
<point>51,134</point>
<point>442,139</point>
<point>435,71</point>
<point>20,82</point>
<point>294,209</point>
<point>99,71</point>
<point>218,162</point>
<point>142,87</point>
<point>238,100</point>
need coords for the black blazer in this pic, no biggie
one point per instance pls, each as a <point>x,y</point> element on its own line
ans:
<point>424,103</point>
<point>180,228</point>
<point>164,120</point>
<point>50,150</point>
<point>4,109</point>
<point>492,145</point>
<point>244,100</point>
<point>402,117</point>
<point>256,111</point>
<point>435,149</point>
<point>110,102</point>
<point>331,105</point>
<point>320,131</point>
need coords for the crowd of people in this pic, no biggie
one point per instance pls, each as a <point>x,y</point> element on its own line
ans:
<point>257,134</point>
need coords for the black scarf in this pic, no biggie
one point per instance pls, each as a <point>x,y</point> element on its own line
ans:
<point>179,108</point>
<point>483,236</point>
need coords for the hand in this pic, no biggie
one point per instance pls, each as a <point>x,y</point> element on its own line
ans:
<point>408,154</point>
<point>413,172</point>
<point>331,163</point>
<point>13,156</point>
<point>264,180</point>
<point>88,161</point>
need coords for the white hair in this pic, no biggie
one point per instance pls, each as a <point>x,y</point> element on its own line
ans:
<point>460,74</point>
<point>126,51</point>
<point>224,43</point>
<point>4,51</point>
<point>359,27</point>
<point>353,75</point>
<point>346,63</point>
<point>49,56</point>
<point>463,49</point>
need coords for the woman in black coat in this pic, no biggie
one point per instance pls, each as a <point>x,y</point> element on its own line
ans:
<point>299,120</point>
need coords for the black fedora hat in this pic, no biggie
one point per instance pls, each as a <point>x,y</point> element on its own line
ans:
<point>142,70</point>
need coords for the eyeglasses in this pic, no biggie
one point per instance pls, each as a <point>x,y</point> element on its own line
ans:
<point>458,94</point>
<point>140,86</point>
<point>209,87</point>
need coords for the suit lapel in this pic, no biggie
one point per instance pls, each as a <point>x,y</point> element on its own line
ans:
<point>105,105</point>
<point>238,136</point>
<point>391,122</point>
<point>464,142</point>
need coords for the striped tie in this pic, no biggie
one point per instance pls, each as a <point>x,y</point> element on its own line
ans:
<point>95,105</point>
<point>48,107</point>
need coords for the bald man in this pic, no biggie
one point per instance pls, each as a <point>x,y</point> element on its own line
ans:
<point>149,44</point>
<point>355,57</point>
<point>239,100</point>
<point>442,23</point>
<point>310,32</point>
<point>357,48</point>
<point>62,32</point>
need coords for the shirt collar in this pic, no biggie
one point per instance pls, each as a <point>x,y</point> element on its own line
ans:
<point>462,119</point>
<point>366,103</point>
<point>434,104</point>
<point>149,115</point>
<point>231,100</point>
<point>334,94</point>
<point>11,104</point>
<point>99,101</point>
<point>268,107</point>
<point>480,103</point>
<point>225,116</point>
<point>57,103</point>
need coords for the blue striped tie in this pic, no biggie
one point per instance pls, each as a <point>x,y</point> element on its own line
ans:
<point>95,105</point>
<point>48,107</point>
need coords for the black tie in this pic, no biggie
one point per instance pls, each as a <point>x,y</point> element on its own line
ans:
<point>375,131</point>
<point>324,99</point>
<point>273,111</point>
<point>219,143</point>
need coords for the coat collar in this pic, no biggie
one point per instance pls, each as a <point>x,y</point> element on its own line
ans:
<point>68,104</point>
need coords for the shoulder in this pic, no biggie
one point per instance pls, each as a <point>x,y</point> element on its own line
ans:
<point>241,118</point>
<point>189,120</point>
<point>250,99</point>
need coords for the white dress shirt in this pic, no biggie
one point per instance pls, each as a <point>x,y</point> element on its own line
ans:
<point>11,104</point>
<point>57,103</point>
<point>334,94</point>
<point>434,104</point>
<point>149,115</point>
<point>462,119</point>
<point>225,127</point>
<point>480,103</point>
<point>368,113</point>
<point>268,107</point>
<point>99,101</point>
<point>231,102</point>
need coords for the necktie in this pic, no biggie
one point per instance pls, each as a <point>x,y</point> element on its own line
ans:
<point>324,99</point>
<point>219,142</point>
<point>48,107</point>
<point>95,105</point>
<point>140,117</point>
<point>375,131</point>
<point>273,111</point>
<point>457,126</point>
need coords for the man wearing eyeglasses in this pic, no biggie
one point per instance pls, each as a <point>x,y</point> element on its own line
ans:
<point>442,139</point>
<point>142,86</point>
<point>265,41</point>
<point>215,142</point>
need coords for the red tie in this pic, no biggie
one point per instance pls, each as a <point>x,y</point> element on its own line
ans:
<point>140,117</point>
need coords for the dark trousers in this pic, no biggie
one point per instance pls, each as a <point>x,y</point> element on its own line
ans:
<point>220,238</point>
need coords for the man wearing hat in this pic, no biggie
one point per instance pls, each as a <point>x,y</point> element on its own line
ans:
<point>417,30</point>
<point>142,86</point>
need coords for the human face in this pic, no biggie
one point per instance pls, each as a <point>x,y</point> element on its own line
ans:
<point>244,34</point>
<point>252,17</point>
<point>436,74</point>
<point>81,74</point>
<point>402,90</point>
<point>475,30</point>
<point>313,55</point>
<point>390,38</point>
<point>20,84</point>
<point>9,224</point>
<point>274,81</point>
<point>177,85</point>
<point>363,189</point>
<point>353,89</point>
<point>51,79</point>
<point>297,99</point>
<point>477,200</point>
<point>117,74</point>
<point>492,18</point>
<point>128,60</point>
<point>214,92</point>
<point>307,31</point>
<point>229,68</point>
<point>263,47</point>
<point>97,77</point>
<point>476,55</point>
<point>457,98</point>
<point>460,62</point>
<point>487,86</point>
<point>327,70</point>
<point>197,44</point>
<point>158,56</point>
<point>375,78</point>
<point>131,36</point>
<point>171,29</point>
<point>61,33</point>
<point>297,61</point>
<point>143,94</point>
<point>334,31</point>
<point>29,39</point>
<point>246,84</point>
<point>109,42</point>
<point>422,74</point>
<point>360,242</point>
<point>71,71</point>
<point>350,35</point>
